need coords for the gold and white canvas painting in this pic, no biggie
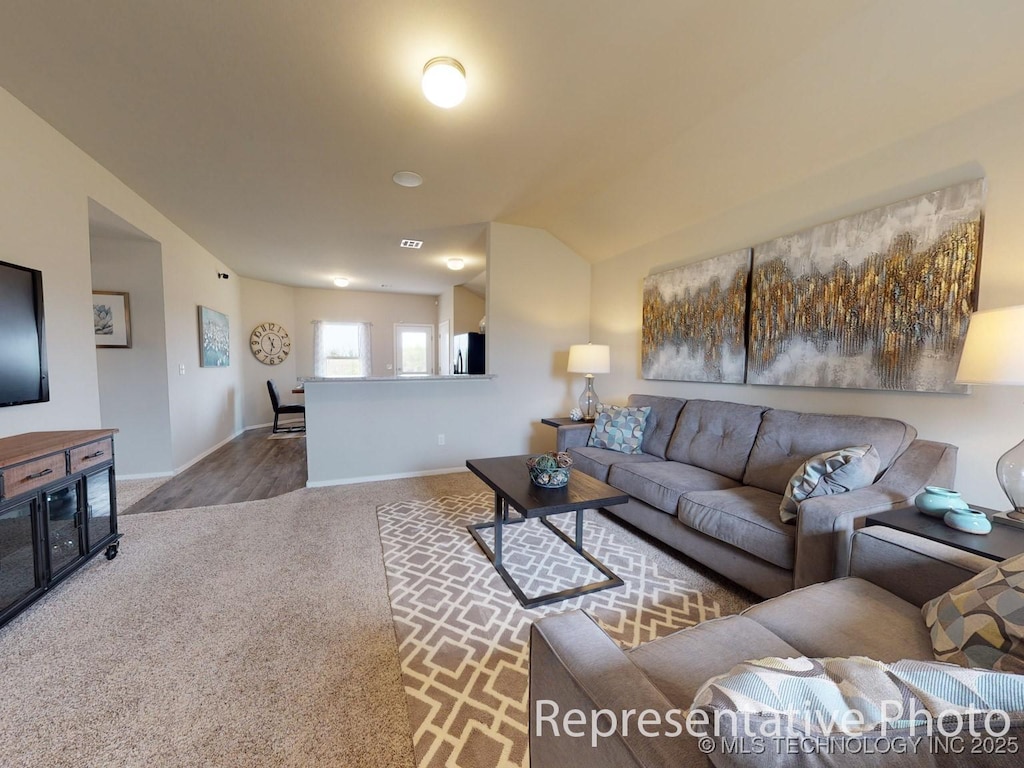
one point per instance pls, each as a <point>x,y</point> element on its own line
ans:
<point>694,318</point>
<point>879,300</point>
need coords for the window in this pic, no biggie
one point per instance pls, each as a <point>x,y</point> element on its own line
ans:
<point>414,350</point>
<point>341,349</point>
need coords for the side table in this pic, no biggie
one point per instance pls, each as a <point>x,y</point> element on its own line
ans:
<point>1004,541</point>
<point>560,421</point>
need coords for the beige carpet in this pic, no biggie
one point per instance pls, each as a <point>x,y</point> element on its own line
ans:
<point>255,634</point>
<point>464,638</point>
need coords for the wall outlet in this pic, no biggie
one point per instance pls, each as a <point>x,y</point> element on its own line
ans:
<point>440,439</point>
<point>181,369</point>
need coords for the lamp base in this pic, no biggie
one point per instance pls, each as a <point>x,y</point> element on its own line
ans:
<point>589,400</point>
<point>1010,472</point>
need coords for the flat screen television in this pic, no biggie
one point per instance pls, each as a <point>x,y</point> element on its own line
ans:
<point>23,374</point>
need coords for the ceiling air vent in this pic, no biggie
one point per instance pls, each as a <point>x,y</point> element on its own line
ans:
<point>412,243</point>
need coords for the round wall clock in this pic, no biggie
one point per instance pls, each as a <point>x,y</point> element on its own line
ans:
<point>270,343</point>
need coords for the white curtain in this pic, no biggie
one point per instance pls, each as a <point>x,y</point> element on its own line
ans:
<point>319,354</point>
<point>365,349</point>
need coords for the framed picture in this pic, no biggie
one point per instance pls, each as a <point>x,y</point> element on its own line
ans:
<point>878,300</point>
<point>694,321</point>
<point>111,320</point>
<point>214,339</point>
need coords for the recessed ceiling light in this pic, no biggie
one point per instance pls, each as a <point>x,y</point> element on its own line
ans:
<point>407,179</point>
<point>412,243</point>
<point>456,264</point>
<point>341,282</point>
<point>444,82</point>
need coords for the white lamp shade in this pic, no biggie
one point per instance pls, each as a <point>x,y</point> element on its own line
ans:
<point>589,358</point>
<point>994,348</point>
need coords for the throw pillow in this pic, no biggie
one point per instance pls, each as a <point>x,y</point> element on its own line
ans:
<point>772,702</point>
<point>981,622</point>
<point>827,473</point>
<point>619,429</point>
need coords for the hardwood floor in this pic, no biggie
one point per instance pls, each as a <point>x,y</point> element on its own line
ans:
<point>250,467</point>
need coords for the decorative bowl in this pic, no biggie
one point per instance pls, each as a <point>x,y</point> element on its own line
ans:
<point>550,470</point>
<point>935,501</point>
<point>968,521</point>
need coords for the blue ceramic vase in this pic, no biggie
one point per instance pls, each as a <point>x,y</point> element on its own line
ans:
<point>936,502</point>
<point>968,521</point>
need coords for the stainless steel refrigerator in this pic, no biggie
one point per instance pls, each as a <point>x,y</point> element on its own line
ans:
<point>469,353</point>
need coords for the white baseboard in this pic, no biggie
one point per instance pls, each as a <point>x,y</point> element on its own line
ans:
<point>149,476</point>
<point>378,478</point>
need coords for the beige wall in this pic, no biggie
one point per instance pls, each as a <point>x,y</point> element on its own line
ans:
<point>382,310</point>
<point>133,390</point>
<point>469,310</point>
<point>264,302</point>
<point>986,143</point>
<point>398,423</point>
<point>44,223</point>
<point>296,309</point>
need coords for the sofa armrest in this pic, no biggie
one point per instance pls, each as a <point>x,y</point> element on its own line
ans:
<point>826,524</point>
<point>909,566</point>
<point>573,436</point>
<point>575,666</point>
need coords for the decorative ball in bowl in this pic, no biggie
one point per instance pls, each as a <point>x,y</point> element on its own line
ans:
<point>550,470</point>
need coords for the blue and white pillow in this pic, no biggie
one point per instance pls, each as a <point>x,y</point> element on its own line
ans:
<point>619,429</point>
<point>827,473</point>
<point>855,696</point>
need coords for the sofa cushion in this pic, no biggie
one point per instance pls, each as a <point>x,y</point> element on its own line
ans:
<point>681,663</point>
<point>716,436</point>
<point>786,439</point>
<point>828,473</point>
<point>661,483</point>
<point>981,622</point>
<point>597,461</point>
<point>747,518</point>
<point>661,421</point>
<point>846,617</point>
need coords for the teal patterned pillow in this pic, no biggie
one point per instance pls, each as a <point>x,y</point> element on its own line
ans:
<point>827,473</point>
<point>619,429</point>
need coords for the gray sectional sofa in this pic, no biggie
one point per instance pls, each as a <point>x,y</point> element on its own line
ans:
<point>710,479</point>
<point>876,612</point>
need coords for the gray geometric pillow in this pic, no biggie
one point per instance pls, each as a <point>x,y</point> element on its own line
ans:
<point>619,429</point>
<point>981,622</point>
<point>831,472</point>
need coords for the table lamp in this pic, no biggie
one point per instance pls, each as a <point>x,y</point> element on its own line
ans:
<point>589,359</point>
<point>993,354</point>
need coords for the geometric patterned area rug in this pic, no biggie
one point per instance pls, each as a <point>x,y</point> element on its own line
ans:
<point>463,638</point>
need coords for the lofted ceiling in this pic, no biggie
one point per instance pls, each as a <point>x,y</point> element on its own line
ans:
<point>269,130</point>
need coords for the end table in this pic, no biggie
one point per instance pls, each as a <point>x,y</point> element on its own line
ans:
<point>1004,541</point>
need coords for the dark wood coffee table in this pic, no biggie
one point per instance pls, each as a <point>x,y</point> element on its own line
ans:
<point>509,478</point>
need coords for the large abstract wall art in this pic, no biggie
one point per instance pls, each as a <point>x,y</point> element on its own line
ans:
<point>694,321</point>
<point>880,300</point>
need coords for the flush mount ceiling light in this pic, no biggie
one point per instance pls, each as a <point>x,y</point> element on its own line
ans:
<point>456,264</point>
<point>407,179</point>
<point>444,82</point>
<point>341,282</point>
